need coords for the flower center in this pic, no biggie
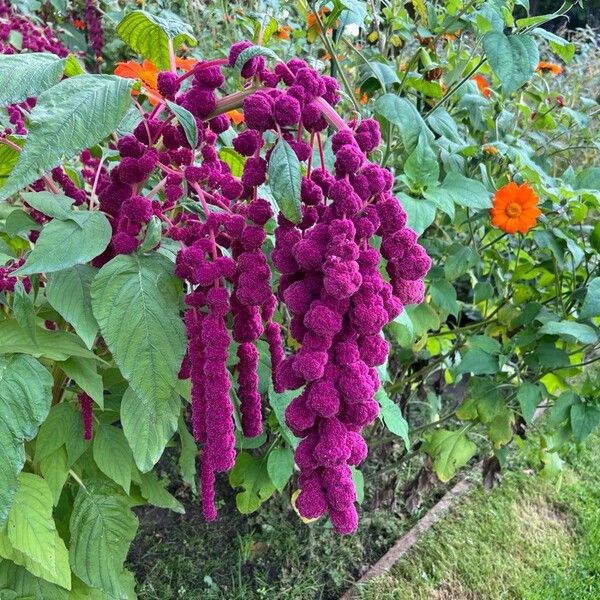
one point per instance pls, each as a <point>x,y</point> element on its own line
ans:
<point>513,209</point>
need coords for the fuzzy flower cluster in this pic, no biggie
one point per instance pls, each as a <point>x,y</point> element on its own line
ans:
<point>8,281</point>
<point>87,415</point>
<point>93,25</point>
<point>31,37</point>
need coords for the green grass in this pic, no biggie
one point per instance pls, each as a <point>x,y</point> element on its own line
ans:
<point>529,539</point>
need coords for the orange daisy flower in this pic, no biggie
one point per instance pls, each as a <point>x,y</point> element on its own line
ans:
<point>515,208</point>
<point>78,24</point>
<point>483,84</point>
<point>283,32</point>
<point>548,67</point>
<point>146,72</point>
<point>489,149</point>
<point>236,116</point>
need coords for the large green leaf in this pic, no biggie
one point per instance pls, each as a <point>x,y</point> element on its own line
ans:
<point>112,455</point>
<point>26,75</point>
<point>156,494</point>
<point>148,425</point>
<point>251,474</point>
<point>25,398</point>
<point>466,192</point>
<point>84,372</point>
<point>63,244</point>
<point>399,111</point>
<point>29,587</point>
<point>571,331</point>
<point>69,293</point>
<point>149,35</point>
<point>30,538</point>
<point>421,166</point>
<point>102,528</point>
<point>280,466</point>
<point>449,450</point>
<point>285,179</point>
<point>512,58</point>
<point>75,114</point>
<point>136,301</point>
<point>55,345</point>
<point>53,205</point>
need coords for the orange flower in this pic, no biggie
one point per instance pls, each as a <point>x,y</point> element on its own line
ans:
<point>362,96</point>
<point>491,150</point>
<point>311,19</point>
<point>147,73</point>
<point>78,24</point>
<point>548,67</point>
<point>185,64</point>
<point>515,208</point>
<point>283,32</point>
<point>483,84</point>
<point>236,116</point>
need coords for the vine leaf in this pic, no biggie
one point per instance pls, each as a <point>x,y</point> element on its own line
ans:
<point>450,450</point>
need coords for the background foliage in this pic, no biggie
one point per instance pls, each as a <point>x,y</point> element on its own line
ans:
<point>508,333</point>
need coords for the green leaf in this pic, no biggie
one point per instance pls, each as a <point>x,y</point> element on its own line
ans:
<point>55,345</point>
<point>405,115</point>
<point>234,159</point>
<point>64,244</point>
<point>187,121</point>
<point>422,166</point>
<point>155,493</point>
<point>284,179</point>
<point>102,528</point>
<point>562,408</point>
<point>279,402</point>
<point>55,470</point>
<point>54,430</point>
<point>466,192</point>
<point>112,454</point>
<point>136,302</point>
<point>584,419</point>
<point>571,331</point>
<point>250,53</point>
<point>420,211</point>
<point>443,295</point>
<point>450,450</point>
<point>512,58</point>
<point>591,304</point>
<point>478,362</point>
<point>187,456</point>
<point>31,539</point>
<point>280,466</point>
<point>26,75</point>
<point>392,417</point>
<point>560,46</point>
<point>53,205</point>
<point>359,484</point>
<point>148,424</point>
<point>74,115</point>
<point>69,292</point>
<point>251,474</point>
<point>84,372</point>
<point>25,398</point>
<point>8,158</point>
<point>24,310</point>
<point>459,260</point>
<point>29,587</point>
<point>19,223</point>
<point>149,35</point>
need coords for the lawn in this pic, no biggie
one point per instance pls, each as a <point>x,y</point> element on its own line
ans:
<point>529,539</point>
